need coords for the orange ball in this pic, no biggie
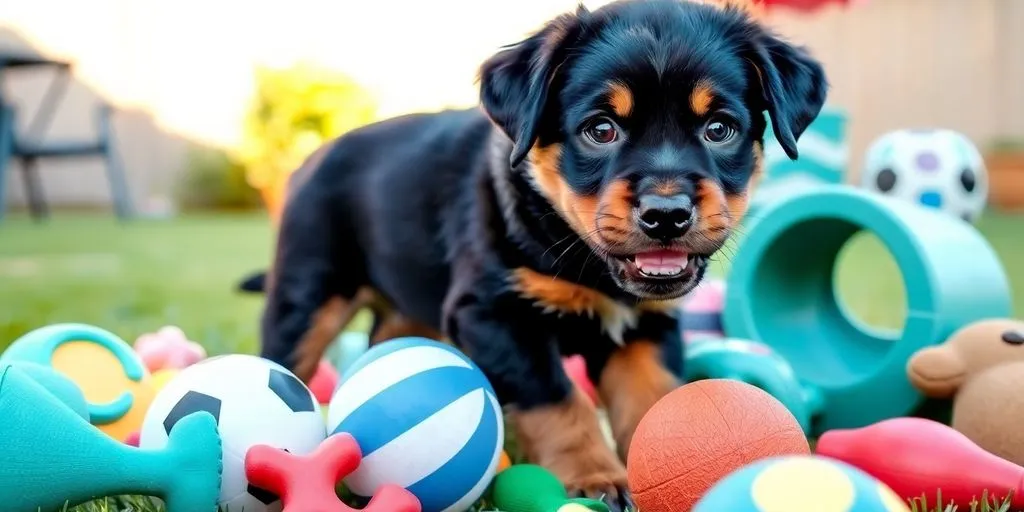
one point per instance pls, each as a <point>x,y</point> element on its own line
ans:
<point>505,462</point>
<point>696,435</point>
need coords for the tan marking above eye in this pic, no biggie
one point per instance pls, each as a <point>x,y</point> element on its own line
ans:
<point>621,99</point>
<point>701,97</point>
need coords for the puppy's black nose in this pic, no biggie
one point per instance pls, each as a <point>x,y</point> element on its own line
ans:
<point>665,218</point>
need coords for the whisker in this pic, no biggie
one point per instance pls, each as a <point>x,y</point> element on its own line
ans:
<point>581,239</point>
<point>566,237</point>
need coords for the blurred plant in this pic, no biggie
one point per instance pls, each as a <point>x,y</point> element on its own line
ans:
<point>293,112</point>
<point>214,180</point>
<point>1007,145</point>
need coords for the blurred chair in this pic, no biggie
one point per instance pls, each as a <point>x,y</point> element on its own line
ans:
<point>31,147</point>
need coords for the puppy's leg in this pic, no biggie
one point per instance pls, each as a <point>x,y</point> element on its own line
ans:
<point>392,324</point>
<point>566,438</point>
<point>389,324</point>
<point>555,425</point>
<point>311,289</point>
<point>634,378</point>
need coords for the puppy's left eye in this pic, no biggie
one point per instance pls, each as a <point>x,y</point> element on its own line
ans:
<point>601,131</point>
<point>717,131</point>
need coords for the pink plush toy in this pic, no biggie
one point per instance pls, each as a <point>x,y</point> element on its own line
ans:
<point>576,367</point>
<point>168,348</point>
<point>324,381</point>
<point>702,311</point>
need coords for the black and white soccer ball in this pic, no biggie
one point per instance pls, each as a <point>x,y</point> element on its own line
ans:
<point>935,168</point>
<point>255,401</point>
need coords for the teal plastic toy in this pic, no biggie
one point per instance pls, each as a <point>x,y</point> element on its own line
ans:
<point>800,483</point>
<point>781,292</point>
<point>38,347</point>
<point>823,147</point>
<point>346,349</point>
<point>756,364</point>
<point>823,160</point>
<point>51,456</point>
<point>531,488</point>
<point>61,387</point>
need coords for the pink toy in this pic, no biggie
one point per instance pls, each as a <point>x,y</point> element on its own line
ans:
<point>576,367</point>
<point>324,382</point>
<point>702,311</point>
<point>168,348</point>
<point>132,439</point>
<point>916,456</point>
<point>307,483</point>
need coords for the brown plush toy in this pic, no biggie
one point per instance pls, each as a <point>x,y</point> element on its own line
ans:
<point>982,367</point>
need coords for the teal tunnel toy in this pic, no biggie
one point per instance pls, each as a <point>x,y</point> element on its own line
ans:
<point>824,158</point>
<point>38,347</point>
<point>823,148</point>
<point>782,293</point>
<point>756,364</point>
<point>51,456</point>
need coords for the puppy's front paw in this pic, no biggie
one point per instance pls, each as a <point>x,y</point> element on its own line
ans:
<point>607,486</point>
<point>566,439</point>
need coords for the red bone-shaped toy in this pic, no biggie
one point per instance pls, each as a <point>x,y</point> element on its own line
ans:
<point>306,483</point>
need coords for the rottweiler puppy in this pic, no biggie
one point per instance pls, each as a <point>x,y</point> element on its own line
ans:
<point>612,154</point>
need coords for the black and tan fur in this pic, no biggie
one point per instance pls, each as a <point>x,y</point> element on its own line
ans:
<point>511,229</point>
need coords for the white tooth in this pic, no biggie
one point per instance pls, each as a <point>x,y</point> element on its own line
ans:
<point>663,271</point>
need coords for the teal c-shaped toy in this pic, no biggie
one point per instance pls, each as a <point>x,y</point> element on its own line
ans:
<point>38,347</point>
<point>782,293</point>
<point>756,364</point>
<point>531,488</point>
<point>51,456</point>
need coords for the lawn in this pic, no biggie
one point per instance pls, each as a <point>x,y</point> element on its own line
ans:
<point>133,278</point>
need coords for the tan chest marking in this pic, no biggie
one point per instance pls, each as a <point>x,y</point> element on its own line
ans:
<point>558,296</point>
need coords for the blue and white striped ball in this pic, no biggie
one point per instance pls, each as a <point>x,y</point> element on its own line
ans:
<point>425,418</point>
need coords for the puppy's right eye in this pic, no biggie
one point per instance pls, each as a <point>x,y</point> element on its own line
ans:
<point>601,131</point>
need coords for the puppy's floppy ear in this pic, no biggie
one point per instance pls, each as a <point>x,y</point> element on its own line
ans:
<point>793,86</point>
<point>515,82</point>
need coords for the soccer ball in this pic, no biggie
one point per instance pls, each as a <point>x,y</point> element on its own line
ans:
<point>935,168</point>
<point>255,401</point>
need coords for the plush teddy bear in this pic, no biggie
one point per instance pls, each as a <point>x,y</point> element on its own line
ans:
<point>981,366</point>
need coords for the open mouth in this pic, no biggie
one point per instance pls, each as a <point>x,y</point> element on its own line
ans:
<point>661,264</point>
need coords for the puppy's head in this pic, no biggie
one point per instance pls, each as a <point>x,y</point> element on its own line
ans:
<point>641,123</point>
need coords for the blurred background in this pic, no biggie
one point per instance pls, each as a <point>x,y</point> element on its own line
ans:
<point>188,116</point>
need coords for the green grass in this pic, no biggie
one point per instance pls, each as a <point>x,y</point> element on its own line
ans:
<point>136,277</point>
<point>986,503</point>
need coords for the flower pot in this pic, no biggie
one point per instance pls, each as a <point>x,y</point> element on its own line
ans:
<point>1006,180</point>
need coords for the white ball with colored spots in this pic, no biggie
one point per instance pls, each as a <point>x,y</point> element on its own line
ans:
<point>935,168</point>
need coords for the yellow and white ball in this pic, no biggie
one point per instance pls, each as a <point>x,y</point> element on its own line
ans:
<point>800,483</point>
